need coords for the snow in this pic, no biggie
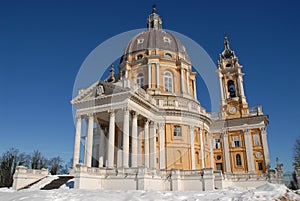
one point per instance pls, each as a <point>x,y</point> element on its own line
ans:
<point>266,192</point>
<point>43,182</point>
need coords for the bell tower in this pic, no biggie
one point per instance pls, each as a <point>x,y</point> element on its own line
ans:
<point>233,101</point>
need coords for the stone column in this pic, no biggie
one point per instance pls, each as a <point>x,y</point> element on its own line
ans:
<point>152,145</point>
<point>120,149</point>
<point>212,160</point>
<point>221,87</point>
<point>181,80</point>
<point>195,90</point>
<point>265,145</point>
<point>149,76</point>
<point>140,140</point>
<point>157,75</point>
<point>76,155</point>
<point>240,84</point>
<point>249,151</point>
<point>162,155</point>
<point>89,139</point>
<point>192,139</point>
<point>146,143</point>
<point>134,138</point>
<point>102,147</point>
<point>202,149</point>
<point>126,138</point>
<point>111,140</point>
<point>187,81</point>
<point>226,153</point>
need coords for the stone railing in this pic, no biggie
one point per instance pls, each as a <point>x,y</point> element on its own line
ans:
<point>179,103</point>
<point>215,115</point>
<point>24,176</point>
<point>255,111</point>
<point>245,176</point>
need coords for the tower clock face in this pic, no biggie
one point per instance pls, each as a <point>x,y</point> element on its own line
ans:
<point>232,110</point>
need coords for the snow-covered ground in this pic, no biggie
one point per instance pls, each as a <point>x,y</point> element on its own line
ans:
<point>267,192</point>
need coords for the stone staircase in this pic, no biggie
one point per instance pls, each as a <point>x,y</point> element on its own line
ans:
<point>28,186</point>
<point>57,183</point>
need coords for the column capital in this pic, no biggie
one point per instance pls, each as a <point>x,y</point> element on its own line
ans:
<point>146,121</point>
<point>90,115</point>
<point>78,117</point>
<point>126,109</point>
<point>111,113</point>
<point>263,130</point>
<point>193,127</point>
<point>161,125</point>
<point>224,134</point>
<point>247,131</point>
<point>152,123</point>
<point>134,114</point>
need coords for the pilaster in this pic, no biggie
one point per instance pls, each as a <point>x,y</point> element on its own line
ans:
<point>111,139</point>
<point>192,139</point>
<point>77,141</point>
<point>249,151</point>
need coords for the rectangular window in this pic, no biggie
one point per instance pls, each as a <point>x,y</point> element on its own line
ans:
<point>256,140</point>
<point>217,143</point>
<point>219,166</point>
<point>177,130</point>
<point>260,166</point>
<point>236,141</point>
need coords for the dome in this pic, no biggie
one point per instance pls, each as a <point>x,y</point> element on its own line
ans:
<point>156,39</point>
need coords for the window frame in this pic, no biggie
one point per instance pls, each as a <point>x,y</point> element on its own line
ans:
<point>140,79</point>
<point>168,56</point>
<point>256,140</point>
<point>168,82</point>
<point>236,142</point>
<point>238,160</point>
<point>139,56</point>
<point>260,166</point>
<point>217,143</point>
<point>177,132</point>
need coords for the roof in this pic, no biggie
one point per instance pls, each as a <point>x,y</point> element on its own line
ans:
<point>156,39</point>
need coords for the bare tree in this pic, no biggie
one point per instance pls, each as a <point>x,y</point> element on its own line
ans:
<point>38,161</point>
<point>8,163</point>
<point>55,164</point>
<point>297,151</point>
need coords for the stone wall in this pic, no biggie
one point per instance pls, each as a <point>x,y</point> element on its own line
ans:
<point>24,176</point>
<point>145,179</point>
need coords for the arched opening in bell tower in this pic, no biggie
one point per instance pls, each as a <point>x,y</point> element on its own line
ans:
<point>231,89</point>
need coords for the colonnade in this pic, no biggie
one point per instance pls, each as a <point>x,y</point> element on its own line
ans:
<point>142,150</point>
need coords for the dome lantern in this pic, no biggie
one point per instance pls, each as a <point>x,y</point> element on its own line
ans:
<point>154,21</point>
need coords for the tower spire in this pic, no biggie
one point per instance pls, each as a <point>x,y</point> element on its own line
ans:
<point>226,42</point>
<point>153,8</point>
<point>227,53</point>
<point>154,21</point>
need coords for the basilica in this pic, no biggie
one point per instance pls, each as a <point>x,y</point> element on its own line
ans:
<point>146,129</point>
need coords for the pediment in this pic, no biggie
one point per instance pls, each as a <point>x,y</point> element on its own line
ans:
<point>97,90</point>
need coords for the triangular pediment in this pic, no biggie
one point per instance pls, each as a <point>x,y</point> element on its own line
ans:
<point>96,90</point>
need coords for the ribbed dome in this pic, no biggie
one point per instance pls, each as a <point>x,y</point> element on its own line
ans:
<point>156,39</point>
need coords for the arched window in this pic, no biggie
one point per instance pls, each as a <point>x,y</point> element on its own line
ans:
<point>168,56</point>
<point>231,89</point>
<point>139,56</point>
<point>238,160</point>
<point>178,157</point>
<point>140,80</point>
<point>197,157</point>
<point>168,79</point>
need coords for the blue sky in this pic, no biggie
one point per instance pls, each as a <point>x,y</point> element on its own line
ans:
<point>43,44</point>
